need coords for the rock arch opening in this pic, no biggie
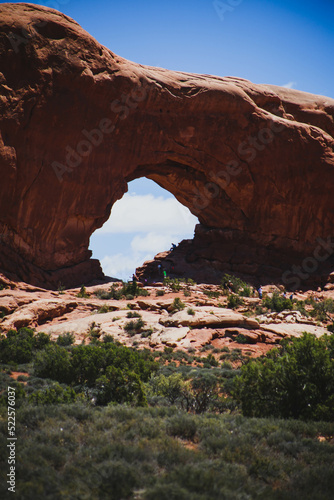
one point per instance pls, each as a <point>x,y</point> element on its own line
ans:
<point>144,222</point>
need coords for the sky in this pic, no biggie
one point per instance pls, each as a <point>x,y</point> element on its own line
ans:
<point>281,42</point>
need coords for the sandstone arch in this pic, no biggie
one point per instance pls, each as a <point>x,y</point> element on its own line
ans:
<point>253,162</point>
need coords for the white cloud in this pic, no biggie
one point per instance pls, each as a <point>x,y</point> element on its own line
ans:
<point>122,266</point>
<point>146,213</point>
<point>153,242</point>
<point>290,85</point>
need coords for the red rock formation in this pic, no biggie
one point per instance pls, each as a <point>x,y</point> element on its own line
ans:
<point>253,162</point>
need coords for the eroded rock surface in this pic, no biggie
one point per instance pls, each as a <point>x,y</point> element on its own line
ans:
<point>255,163</point>
<point>202,324</point>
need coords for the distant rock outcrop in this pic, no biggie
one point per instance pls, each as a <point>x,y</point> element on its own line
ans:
<point>255,163</point>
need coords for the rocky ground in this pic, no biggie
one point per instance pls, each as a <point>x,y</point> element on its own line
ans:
<point>192,317</point>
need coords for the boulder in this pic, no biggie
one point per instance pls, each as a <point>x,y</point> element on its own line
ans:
<point>37,313</point>
<point>208,317</point>
<point>294,330</point>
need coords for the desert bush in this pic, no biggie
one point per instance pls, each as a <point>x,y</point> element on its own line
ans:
<point>83,293</point>
<point>191,311</point>
<point>182,425</point>
<point>236,285</point>
<point>277,302</point>
<point>322,309</point>
<point>105,309</point>
<point>259,310</point>
<point>133,314</point>
<point>169,387</point>
<point>330,328</point>
<point>234,301</point>
<point>84,364</point>
<point>174,284</point>
<point>53,362</point>
<point>56,394</point>
<point>241,339</point>
<point>94,332</point>
<point>66,339</point>
<point>294,381</point>
<point>211,360</point>
<point>142,453</point>
<point>132,288</point>
<point>160,293</point>
<point>177,305</point>
<point>20,346</point>
<point>120,386</point>
<point>212,294</point>
<point>134,327</point>
<point>147,333</point>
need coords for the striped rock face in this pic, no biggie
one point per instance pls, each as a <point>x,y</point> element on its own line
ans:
<point>254,163</point>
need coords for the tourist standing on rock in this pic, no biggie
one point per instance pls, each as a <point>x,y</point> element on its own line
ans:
<point>259,291</point>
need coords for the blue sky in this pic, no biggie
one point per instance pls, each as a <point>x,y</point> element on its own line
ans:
<point>281,42</point>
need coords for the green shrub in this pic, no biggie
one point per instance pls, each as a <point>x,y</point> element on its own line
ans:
<point>83,365</point>
<point>191,311</point>
<point>19,346</point>
<point>294,381</point>
<point>236,285</point>
<point>94,331</point>
<point>170,387</point>
<point>212,294</point>
<point>234,301</point>
<point>203,393</point>
<point>66,339</point>
<point>177,305</point>
<point>330,328</point>
<point>322,309</point>
<point>277,302</point>
<point>54,395</point>
<point>133,314</point>
<point>241,339</point>
<point>120,385</point>
<point>259,310</point>
<point>160,293</point>
<point>83,292</point>
<point>211,360</point>
<point>105,309</point>
<point>183,426</point>
<point>174,284</point>
<point>134,327</point>
<point>133,289</point>
<point>146,333</point>
<point>108,338</point>
<point>53,362</point>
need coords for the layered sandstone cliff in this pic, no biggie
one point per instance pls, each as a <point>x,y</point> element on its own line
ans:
<point>255,163</point>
